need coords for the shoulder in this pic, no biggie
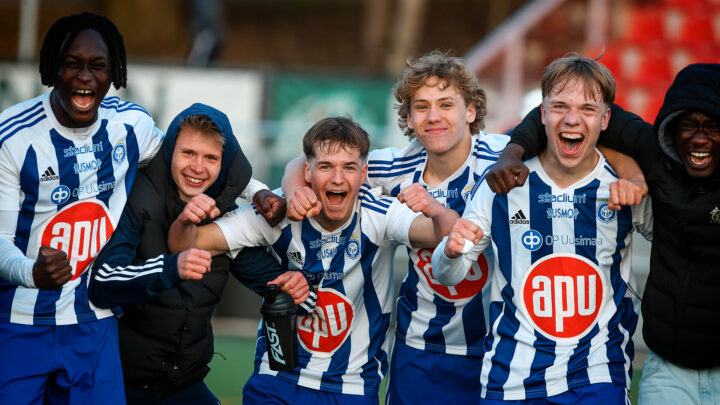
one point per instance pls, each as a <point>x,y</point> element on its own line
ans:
<point>373,200</point>
<point>490,143</point>
<point>21,117</point>
<point>389,158</point>
<point>113,107</point>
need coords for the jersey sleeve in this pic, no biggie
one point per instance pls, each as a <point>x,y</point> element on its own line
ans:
<point>15,267</point>
<point>643,218</point>
<point>150,139</point>
<point>115,281</point>
<point>400,218</point>
<point>244,227</point>
<point>452,271</point>
<point>388,168</point>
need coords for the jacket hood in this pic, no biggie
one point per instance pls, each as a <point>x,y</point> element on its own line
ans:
<point>696,87</point>
<point>233,158</point>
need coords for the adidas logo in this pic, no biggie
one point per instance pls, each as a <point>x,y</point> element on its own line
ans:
<point>49,175</point>
<point>519,219</point>
<point>295,256</point>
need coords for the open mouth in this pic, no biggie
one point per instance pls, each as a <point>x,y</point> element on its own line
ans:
<point>570,142</point>
<point>700,159</point>
<point>83,99</point>
<point>336,197</point>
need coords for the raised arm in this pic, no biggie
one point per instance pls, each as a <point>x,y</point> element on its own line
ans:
<point>301,200</point>
<point>184,232</point>
<point>116,281</point>
<point>427,230</point>
<point>631,188</point>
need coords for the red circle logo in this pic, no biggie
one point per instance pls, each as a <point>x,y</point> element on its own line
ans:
<point>326,329</point>
<point>562,295</point>
<point>80,230</point>
<point>472,284</point>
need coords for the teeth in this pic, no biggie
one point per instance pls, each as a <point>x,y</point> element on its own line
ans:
<point>83,91</point>
<point>571,136</point>
<point>193,180</point>
<point>336,192</point>
<point>699,154</point>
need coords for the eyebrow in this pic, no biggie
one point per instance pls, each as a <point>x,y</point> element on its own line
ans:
<point>440,99</point>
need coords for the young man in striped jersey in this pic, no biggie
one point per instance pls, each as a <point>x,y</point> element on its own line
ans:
<point>67,162</point>
<point>439,329</point>
<point>346,251</point>
<point>561,315</point>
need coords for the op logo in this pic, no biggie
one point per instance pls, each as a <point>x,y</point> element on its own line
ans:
<point>327,328</point>
<point>562,295</point>
<point>59,195</point>
<point>472,284</point>
<point>80,230</point>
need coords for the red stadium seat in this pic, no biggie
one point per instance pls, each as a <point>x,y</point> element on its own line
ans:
<point>644,25</point>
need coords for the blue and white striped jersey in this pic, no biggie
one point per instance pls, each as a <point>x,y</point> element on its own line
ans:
<point>561,314</point>
<point>344,343</point>
<point>66,188</point>
<point>431,316</point>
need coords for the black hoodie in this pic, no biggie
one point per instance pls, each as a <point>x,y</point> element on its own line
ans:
<point>681,303</point>
<point>166,339</point>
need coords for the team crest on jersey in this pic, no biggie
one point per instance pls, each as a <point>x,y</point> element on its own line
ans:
<point>118,153</point>
<point>327,328</point>
<point>353,249</point>
<point>604,213</point>
<point>60,194</point>
<point>80,230</point>
<point>562,295</point>
<point>472,284</point>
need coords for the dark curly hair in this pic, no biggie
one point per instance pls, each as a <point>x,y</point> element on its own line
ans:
<point>61,35</point>
<point>450,70</point>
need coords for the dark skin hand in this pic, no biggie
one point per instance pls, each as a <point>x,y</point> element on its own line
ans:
<point>270,205</point>
<point>51,269</point>
<point>509,171</point>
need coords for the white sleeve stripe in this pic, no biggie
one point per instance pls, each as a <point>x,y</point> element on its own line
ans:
<point>119,277</point>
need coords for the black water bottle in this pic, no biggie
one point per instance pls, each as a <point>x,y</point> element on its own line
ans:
<point>280,324</point>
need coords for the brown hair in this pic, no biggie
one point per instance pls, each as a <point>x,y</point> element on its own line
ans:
<point>596,78</point>
<point>451,71</point>
<point>203,123</point>
<point>334,132</point>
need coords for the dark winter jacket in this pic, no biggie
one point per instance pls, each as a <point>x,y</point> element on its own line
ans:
<point>166,339</point>
<point>681,302</point>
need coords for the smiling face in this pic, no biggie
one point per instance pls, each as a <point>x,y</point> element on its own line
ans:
<point>573,120</point>
<point>83,79</point>
<point>697,141</point>
<point>335,174</point>
<point>440,118</point>
<point>196,162</point>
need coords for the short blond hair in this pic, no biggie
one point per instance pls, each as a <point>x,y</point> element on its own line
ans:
<point>593,74</point>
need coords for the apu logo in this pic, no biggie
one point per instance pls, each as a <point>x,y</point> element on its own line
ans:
<point>118,153</point>
<point>353,249</point>
<point>471,285</point>
<point>59,195</point>
<point>274,340</point>
<point>604,213</point>
<point>326,329</point>
<point>81,229</point>
<point>531,239</point>
<point>562,295</point>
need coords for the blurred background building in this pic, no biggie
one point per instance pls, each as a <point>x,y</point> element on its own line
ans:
<point>277,66</point>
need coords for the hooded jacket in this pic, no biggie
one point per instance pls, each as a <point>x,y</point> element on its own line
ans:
<point>166,339</point>
<point>680,305</point>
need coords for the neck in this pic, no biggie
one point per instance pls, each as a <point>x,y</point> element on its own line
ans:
<point>565,176</point>
<point>440,166</point>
